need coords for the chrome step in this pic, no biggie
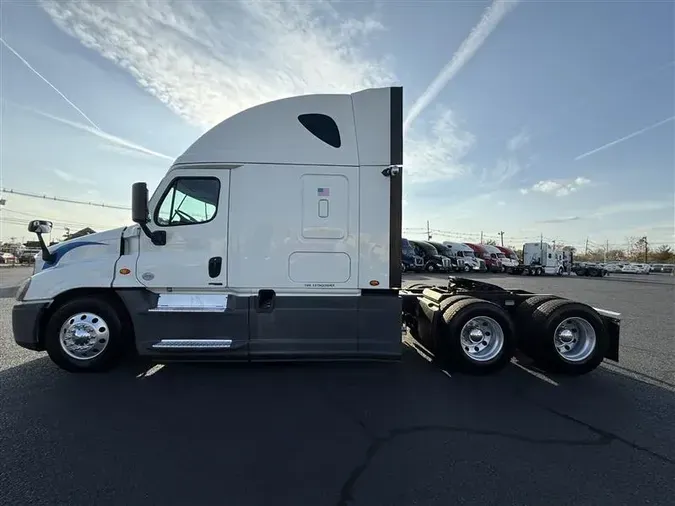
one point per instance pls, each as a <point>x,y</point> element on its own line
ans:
<point>193,344</point>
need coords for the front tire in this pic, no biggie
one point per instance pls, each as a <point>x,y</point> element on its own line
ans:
<point>476,337</point>
<point>85,335</point>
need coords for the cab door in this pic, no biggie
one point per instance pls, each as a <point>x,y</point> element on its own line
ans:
<point>191,206</point>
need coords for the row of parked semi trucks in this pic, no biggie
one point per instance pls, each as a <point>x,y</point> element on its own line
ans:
<point>431,256</point>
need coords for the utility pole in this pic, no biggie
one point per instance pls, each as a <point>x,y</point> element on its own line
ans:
<point>501,235</point>
<point>586,246</point>
<point>481,237</point>
<point>606,250</point>
<point>646,248</point>
<point>428,232</point>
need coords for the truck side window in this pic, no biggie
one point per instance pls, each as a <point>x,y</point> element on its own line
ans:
<point>188,201</point>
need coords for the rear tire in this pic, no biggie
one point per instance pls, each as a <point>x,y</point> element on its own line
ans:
<point>567,337</point>
<point>476,337</point>
<point>523,320</point>
<point>85,335</point>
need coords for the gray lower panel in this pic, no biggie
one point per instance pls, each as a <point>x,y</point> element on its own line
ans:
<point>366,326</point>
<point>284,328</point>
<point>152,328</point>
<point>380,322</point>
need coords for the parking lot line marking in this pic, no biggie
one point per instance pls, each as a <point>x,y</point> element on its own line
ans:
<point>536,374</point>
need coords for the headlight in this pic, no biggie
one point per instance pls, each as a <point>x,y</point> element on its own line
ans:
<point>23,288</point>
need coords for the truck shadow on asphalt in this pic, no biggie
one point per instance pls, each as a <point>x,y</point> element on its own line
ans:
<point>332,433</point>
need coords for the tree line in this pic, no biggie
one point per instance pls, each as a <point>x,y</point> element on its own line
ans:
<point>639,251</point>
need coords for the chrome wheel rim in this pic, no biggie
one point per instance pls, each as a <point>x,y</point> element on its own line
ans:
<point>574,339</point>
<point>84,336</point>
<point>482,339</point>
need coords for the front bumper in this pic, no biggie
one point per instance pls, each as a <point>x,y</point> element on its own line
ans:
<point>26,317</point>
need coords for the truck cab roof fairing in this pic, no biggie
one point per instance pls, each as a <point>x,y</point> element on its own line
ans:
<point>305,130</point>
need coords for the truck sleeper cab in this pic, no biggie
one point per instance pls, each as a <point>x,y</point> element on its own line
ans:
<point>220,266</point>
<point>542,258</point>
<point>306,266</point>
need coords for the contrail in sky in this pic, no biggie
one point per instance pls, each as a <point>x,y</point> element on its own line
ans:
<point>492,16</point>
<point>113,139</point>
<point>629,136</point>
<point>23,60</point>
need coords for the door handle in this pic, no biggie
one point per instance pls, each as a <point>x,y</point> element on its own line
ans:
<point>215,265</point>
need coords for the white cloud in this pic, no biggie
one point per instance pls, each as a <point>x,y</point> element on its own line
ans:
<point>518,142</point>
<point>634,207</point>
<point>71,178</point>
<point>509,166</point>
<point>440,155</point>
<point>207,61</point>
<point>564,219</point>
<point>560,188</point>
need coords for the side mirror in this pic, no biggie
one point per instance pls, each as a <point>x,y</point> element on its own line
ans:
<point>140,215</point>
<point>139,203</point>
<point>40,227</point>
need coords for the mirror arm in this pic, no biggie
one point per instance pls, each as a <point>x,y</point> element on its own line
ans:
<point>47,256</point>
<point>158,237</point>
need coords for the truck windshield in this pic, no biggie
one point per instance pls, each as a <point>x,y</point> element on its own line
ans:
<point>428,249</point>
<point>466,254</point>
<point>443,250</point>
<point>501,255</point>
<point>408,249</point>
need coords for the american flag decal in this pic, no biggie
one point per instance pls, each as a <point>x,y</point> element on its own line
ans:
<point>323,192</point>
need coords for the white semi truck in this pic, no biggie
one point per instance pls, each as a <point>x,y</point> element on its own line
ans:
<point>277,236</point>
<point>540,258</point>
<point>471,262</point>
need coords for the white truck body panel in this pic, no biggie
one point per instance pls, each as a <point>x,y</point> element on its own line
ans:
<point>543,255</point>
<point>87,261</point>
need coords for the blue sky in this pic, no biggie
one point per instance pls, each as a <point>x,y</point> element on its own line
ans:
<point>514,108</point>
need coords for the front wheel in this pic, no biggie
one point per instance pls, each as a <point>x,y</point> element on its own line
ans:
<point>85,335</point>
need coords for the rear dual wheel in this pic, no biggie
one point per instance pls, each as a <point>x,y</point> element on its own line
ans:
<point>560,335</point>
<point>475,337</point>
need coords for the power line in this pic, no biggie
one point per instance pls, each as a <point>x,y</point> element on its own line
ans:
<point>62,199</point>
<point>58,222</point>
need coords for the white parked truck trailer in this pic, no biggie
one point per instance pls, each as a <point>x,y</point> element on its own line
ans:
<point>277,236</point>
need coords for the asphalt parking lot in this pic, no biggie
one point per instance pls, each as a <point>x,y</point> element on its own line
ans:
<point>352,434</point>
